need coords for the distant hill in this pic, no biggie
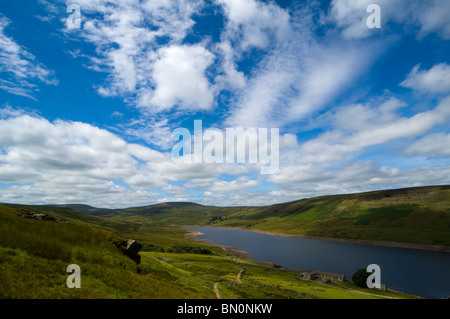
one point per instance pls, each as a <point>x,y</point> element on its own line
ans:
<point>174,213</point>
<point>140,210</point>
<point>69,214</point>
<point>87,209</point>
<point>418,215</point>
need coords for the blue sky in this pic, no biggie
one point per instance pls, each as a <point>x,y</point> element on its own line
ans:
<point>86,114</point>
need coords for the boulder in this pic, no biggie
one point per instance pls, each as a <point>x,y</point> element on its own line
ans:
<point>131,248</point>
<point>48,217</point>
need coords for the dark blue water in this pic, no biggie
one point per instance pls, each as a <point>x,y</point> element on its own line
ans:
<point>418,272</point>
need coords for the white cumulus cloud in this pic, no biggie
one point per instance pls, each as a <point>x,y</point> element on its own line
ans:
<point>434,80</point>
<point>179,76</point>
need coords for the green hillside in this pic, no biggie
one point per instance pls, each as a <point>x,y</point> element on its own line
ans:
<point>87,209</point>
<point>418,215</point>
<point>34,255</point>
<point>35,252</point>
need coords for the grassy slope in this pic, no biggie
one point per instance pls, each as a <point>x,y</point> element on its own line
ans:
<point>414,215</point>
<point>201,272</point>
<point>34,255</point>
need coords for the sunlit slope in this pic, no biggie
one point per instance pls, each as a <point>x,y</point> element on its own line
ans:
<point>34,255</point>
<point>418,215</point>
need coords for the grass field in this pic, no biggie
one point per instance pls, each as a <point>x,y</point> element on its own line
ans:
<point>243,278</point>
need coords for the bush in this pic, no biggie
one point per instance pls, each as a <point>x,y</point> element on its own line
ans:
<point>189,250</point>
<point>151,247</point>
<point>360,278</point>
<point>215,219</point>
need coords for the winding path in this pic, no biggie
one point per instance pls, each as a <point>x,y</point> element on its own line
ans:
<point>238,277</point>
<point>216,290</point>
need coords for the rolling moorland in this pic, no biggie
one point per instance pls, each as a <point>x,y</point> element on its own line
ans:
<point>418,215</point>
<point>34,253</point>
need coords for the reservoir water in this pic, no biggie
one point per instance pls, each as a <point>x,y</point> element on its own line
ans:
<point>419,272</point>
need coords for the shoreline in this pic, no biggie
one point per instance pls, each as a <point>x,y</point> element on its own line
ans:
<point>237,253</point>
<point>192,235</point>
<point>232,251</point>
<point>343,240</point>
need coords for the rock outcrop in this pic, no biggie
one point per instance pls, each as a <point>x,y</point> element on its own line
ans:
<point>131,248</point>
<point>40,217</point>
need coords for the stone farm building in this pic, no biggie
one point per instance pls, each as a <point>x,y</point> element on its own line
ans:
<point>325,276</point>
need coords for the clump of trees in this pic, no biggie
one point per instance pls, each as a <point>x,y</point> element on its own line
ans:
<point>177,249</point>
<point>151,247</point>
<point>216,219</point>
<point>189,250</point>
<point>360,278</point>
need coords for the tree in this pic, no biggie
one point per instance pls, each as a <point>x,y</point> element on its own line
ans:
<point>360,278</point>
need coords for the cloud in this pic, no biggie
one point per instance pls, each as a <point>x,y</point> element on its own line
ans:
<point>299,74</point>
<point>67,161</point>
<point>261,65</point>
<point>288,88</point>
<point>230,76</point>
<point>434,80</point>
<point>265,92</point>
<point>51,9</point>
<point>19,69</point>
<point>331,162</point>
<point>434,18</point>
<point>359,176</point>
<point>241,198</point>
<point>365,115</point>
<point>351,17</point>
<point>240,183</point>
<point>328,70</point>
<point>254,23</point>
<point>264,26</point>
<point>193,171</point>
<point>62,161</point>
<point>301,173</point>
<point>288,141</point>
<point>179,76</point>
<point>432,145</point>
<point>176,191</point>
<point>68,146</point>
<point>153,130</point>
<point>421,17</point>
<point>249,25</point>
<point>139,44</point>
<point>143,47</point>
<point>338,145</point>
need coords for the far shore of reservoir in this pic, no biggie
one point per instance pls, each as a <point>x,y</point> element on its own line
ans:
<point>193,235</point>
<point>240,254</point>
